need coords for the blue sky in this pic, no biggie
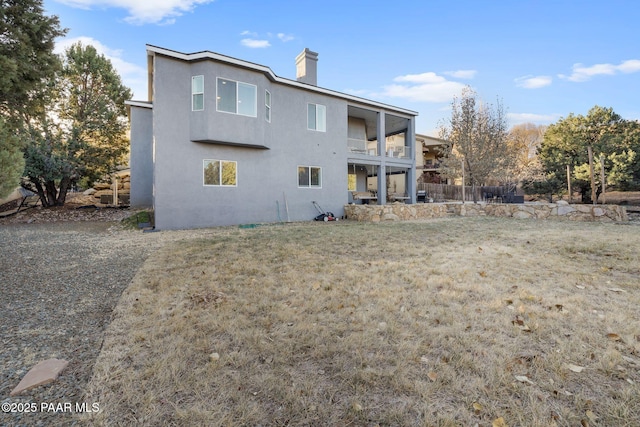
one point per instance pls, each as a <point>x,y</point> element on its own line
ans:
<point>543,59</point>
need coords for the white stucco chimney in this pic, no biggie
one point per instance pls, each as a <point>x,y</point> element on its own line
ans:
<point>307,67</point>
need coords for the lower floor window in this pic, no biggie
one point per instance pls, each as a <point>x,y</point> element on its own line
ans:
<point>220,172</point>
<point>309,176</point>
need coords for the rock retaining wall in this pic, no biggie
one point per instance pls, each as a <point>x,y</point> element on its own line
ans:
<point>106,188</point>
<point>560,210</point>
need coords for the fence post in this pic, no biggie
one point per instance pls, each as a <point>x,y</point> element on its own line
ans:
<point>602,179</point>
<point>593,180</point>
<point>462,161</point>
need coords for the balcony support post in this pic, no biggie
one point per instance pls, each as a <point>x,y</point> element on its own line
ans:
<point>382,169</point>
<point>410,141</point>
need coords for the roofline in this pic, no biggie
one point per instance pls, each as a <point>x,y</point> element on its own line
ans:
<point>141,104</point>
<point>433,138</point>
<point>198,56</point>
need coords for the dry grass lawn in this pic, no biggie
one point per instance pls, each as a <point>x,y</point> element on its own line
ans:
<point>450,322</point>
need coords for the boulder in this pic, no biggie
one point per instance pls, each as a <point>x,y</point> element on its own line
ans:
<point>102,185</point>
<point>564,210</point>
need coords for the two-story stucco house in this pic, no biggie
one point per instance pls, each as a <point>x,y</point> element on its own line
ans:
<point>222,141</point>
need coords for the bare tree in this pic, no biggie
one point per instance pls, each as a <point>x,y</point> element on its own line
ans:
<point>525,139</point>
<point>477,140</point>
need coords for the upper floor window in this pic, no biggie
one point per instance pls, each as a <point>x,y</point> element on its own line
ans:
<point>197,93</point>
<point>237,98</point>
<point>309,176</point>
<point>317,117</point>
<point>220,173</point>
<point>267,106</point>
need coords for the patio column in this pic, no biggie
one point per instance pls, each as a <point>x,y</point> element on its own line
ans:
<point>382,169</point>
<point>410,140</point>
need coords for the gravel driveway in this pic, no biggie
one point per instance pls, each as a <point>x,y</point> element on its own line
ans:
<point>59,283</point>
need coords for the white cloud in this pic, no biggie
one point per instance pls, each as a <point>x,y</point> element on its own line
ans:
<point>583,73</point>
<point>142,11</point>
<point>427,78</point>
<point>65,43</point>
<point>462,74</point>
<point>285,37</point>
<point>132,75</point>
<point>533,82</point>
<point>425,87</point>
<point>255,44</point>
<point>255,41</point>
<point>630,66</point>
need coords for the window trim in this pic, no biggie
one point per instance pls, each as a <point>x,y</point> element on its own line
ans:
<point>309,168</point>
<point>318,116</point>
<point>204,166</point>
<point>194,93</point>
<point>238,100</point>
<point>267,105</point>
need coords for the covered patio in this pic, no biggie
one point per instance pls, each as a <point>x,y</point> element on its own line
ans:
<point>381,157</point>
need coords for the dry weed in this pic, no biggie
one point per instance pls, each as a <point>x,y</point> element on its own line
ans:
<point>448,322</point>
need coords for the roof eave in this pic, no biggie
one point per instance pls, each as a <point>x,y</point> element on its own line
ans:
<point>198,56</point>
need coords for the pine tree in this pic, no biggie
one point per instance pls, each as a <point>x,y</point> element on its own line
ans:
<point>88,138</point>
<point>11,160</point>
<point>27,39</point>
<point>26,62</point>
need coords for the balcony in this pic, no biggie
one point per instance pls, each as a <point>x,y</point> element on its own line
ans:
<point>430,164</point>
<point>362,146</point>
<point>399,152</point>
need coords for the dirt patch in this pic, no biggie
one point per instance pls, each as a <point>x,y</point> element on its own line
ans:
<point>78,208</point>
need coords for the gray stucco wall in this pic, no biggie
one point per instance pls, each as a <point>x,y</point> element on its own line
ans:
<point>265,177</point>
<point>141,157</point>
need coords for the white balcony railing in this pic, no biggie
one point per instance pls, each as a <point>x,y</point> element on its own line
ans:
<point>362,146</point>
<point>431,164</point>
<point>399,152</point>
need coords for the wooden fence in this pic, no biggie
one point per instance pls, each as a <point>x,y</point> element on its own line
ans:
<point>444,192</point>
